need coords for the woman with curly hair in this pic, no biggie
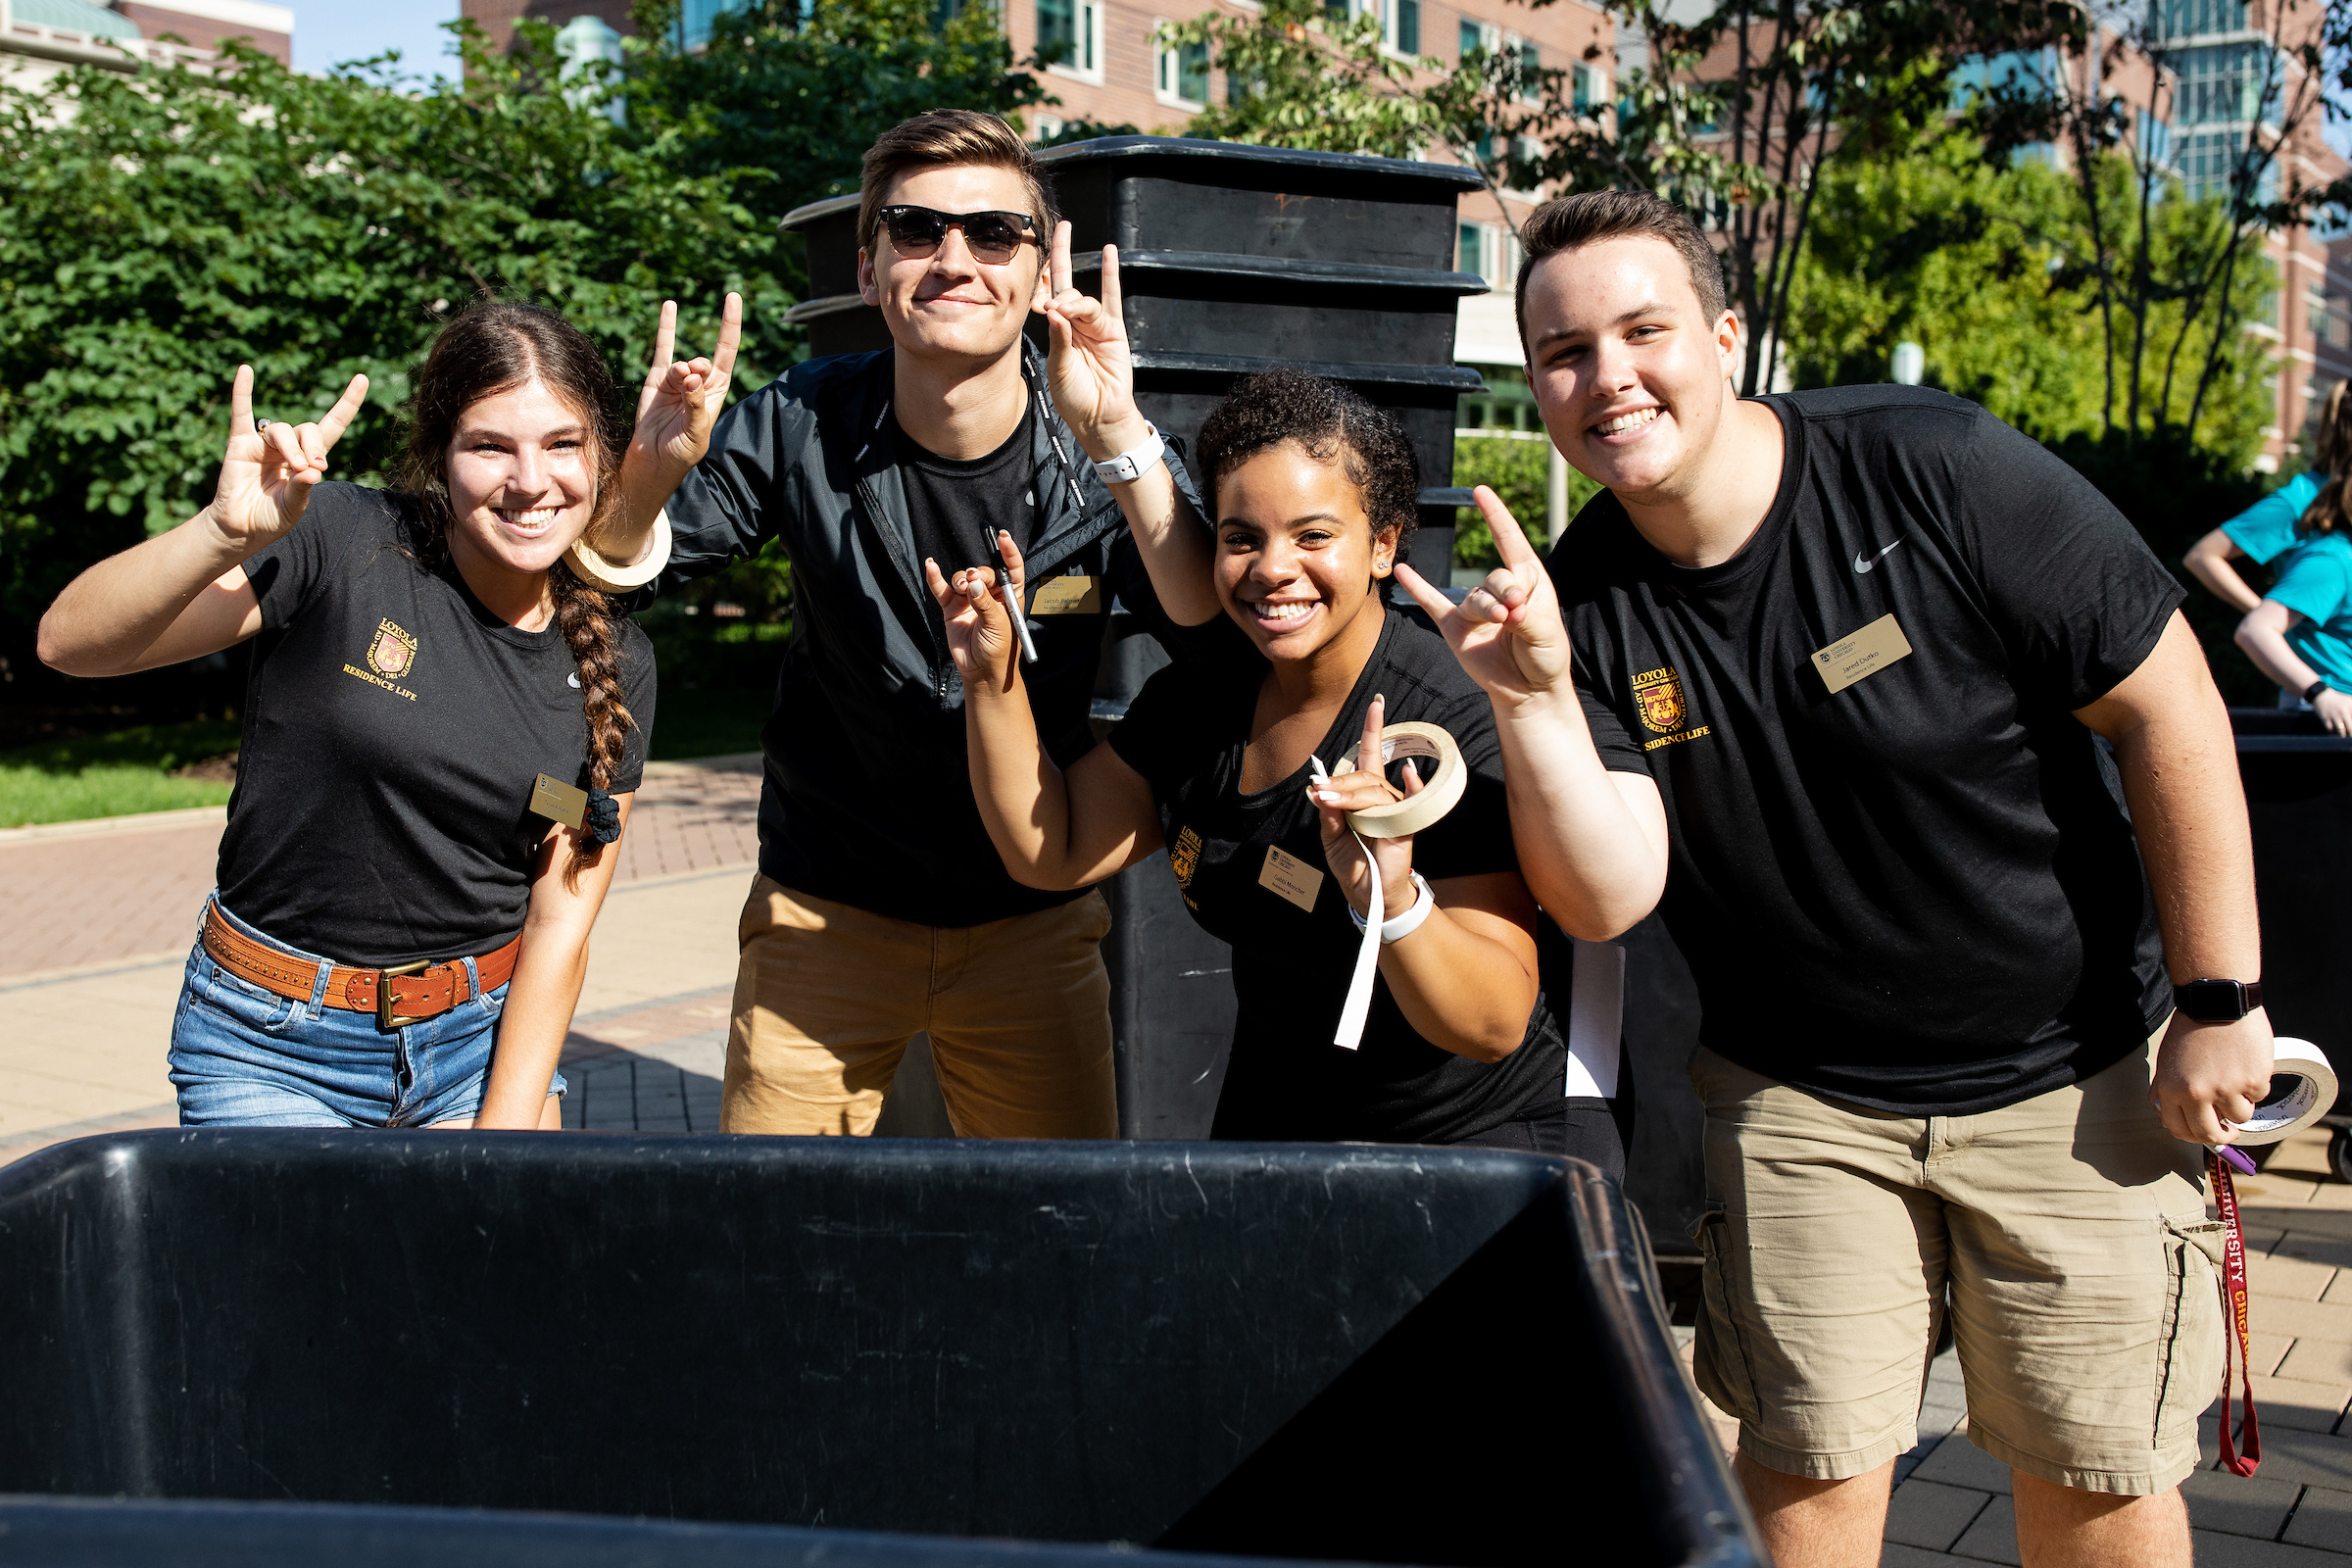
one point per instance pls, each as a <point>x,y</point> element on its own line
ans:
<point>1220,760</point>
<point>400,928</point>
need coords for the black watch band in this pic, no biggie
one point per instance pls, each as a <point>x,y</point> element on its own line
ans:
<point>2218,1001</point>
<point>2311,693</point>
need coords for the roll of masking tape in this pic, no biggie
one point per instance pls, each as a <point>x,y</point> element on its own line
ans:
<point>2302,1090</point>
<point>1436,795</point>
<point>598,571</point>
<point>1441,791</point>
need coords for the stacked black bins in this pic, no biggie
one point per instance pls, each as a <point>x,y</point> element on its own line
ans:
<point>1247,1350</point>
<point>2298,781</point>
<point>1231,259</point>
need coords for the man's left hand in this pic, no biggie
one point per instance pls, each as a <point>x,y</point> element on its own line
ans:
<point>2210,1076</point>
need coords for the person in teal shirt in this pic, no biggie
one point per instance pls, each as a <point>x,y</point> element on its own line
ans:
<point>2263,532</point>
<point>2301,632</point>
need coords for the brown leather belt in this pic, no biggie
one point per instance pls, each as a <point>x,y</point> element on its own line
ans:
<point>405,994</point>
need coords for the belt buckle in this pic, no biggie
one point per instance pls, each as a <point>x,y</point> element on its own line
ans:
<point>384,1018</point>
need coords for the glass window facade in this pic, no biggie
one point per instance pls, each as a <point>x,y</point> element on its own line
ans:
<point>2189,19</point>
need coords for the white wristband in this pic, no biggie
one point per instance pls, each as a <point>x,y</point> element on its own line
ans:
<point>1129,467</point>
<point>1406,924</point>
<point>606,575</point>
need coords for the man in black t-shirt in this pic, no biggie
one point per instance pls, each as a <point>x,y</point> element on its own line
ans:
<point>881,910</point>
<point>1876,676</point>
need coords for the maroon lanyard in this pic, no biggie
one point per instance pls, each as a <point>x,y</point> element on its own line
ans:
<point>2233,1302</point>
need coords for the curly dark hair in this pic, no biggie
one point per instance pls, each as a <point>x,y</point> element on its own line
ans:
<point>1333,424</point>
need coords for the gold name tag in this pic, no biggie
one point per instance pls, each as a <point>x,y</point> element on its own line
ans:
<point>1067,596</point>
<point>558,801</point>
<point>1862,655</point>
<point>1292,877</point>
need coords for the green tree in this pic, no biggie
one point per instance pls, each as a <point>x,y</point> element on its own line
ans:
<point>160,229</point>
<point>1994,271</point>
<point>783,102</point>
<point>1301,77</point>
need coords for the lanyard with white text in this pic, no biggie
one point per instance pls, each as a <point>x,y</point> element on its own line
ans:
<point>2235,1332</point>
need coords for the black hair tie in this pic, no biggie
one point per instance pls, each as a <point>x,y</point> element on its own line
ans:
<point>601,823</point>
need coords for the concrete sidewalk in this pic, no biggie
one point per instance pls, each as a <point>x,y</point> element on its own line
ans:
<point>102,916</point>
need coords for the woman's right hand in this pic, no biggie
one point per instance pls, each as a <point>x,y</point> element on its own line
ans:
<point>266,475</point>
<point>2335,709</point>
<point>980,634</point>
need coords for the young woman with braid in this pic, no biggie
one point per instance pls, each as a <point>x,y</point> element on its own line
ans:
<point>397,937</point>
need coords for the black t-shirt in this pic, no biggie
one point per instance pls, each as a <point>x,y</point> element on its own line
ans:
<point>393,726</point>
<point>1186,732</point>
<point>957,505</point>
<point>1919,893</point>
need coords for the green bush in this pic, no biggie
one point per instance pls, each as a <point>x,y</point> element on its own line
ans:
<point>1518,469</point>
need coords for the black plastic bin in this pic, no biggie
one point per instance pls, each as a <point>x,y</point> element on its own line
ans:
<point>1382,1354</point>
<point>2298,781</point>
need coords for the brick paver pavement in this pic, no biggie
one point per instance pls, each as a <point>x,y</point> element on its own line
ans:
<point>101,917</point>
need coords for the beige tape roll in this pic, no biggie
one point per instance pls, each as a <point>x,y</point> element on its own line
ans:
<point>1439,792</point>
<point>2302,1090</point>
<point>593,568</point>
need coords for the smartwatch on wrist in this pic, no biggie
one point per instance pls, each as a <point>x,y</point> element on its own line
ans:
<point>1129,467</point>
<point>2311,693</point>
<point>2218,1001</point>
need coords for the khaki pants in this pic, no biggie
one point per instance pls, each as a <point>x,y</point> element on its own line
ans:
<point>2069,1231</point>
<point>827,998</point>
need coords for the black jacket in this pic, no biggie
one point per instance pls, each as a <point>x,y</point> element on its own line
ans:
<point>867,799</point>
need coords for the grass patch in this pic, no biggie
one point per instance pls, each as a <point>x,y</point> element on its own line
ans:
<point>120,774</point>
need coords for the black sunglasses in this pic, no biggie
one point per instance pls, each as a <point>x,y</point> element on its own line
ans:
<point>916,233</point>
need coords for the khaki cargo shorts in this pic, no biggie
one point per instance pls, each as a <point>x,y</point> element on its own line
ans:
<point>2069,1232</point>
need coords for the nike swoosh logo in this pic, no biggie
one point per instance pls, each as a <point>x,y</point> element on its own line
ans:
<point>1863,562</point>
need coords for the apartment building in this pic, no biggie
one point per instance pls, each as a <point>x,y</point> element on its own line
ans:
<point>2236,86</point>
<point>38,38</point>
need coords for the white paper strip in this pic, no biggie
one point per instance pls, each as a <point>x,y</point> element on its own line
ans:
<point>1596,1021</point>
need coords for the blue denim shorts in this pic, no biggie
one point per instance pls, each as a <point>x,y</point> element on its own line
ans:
<point>242,1056</point>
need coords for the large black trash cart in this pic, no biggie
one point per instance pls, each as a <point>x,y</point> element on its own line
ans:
<point>1380,1355</point>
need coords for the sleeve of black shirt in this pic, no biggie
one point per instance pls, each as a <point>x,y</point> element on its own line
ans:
<point>1160,734</point>
<point>287,574</point>
<point>1474,839</point>
<point>640,688</point>
<point>2079,596</point>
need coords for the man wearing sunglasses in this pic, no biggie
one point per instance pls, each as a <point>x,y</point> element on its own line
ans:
<point>881,910</point>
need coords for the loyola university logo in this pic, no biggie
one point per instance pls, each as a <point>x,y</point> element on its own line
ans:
<point>392,652</point>
<point>1658,695</point>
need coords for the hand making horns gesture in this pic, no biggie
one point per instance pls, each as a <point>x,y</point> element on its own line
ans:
<point>267,474</point>
<point>1508,632</point>
<point>1364,786</point>
<point>680,402</point>
<point>980,635</point>
<point>1089,370</point>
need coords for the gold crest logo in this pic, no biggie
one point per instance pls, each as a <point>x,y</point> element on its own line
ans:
<point>1659,695</point>
<point>393,653</point>
<point>1185,858</point>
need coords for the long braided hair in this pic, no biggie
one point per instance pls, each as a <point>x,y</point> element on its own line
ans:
<point>2332,463</point>
<point>494,345</point>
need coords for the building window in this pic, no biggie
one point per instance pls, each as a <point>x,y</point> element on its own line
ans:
<point>694,18</point>
<point>1530,62</point>
<point>1180,76</point>
<point>1074,27</point>
<point>1405,26</point>
<point>2191,18</point>
<point>2221,84</point>
<point>1590,89</point>
<point>1491,252</point>
<point>1477,36</point>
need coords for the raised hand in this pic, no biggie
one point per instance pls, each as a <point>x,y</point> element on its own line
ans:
<point>980,637</point>
<point>1089,368</point>
<point>681,401</point>
<point>1366,785</point>
<point>266,475</point>
<point>1508,632</point>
